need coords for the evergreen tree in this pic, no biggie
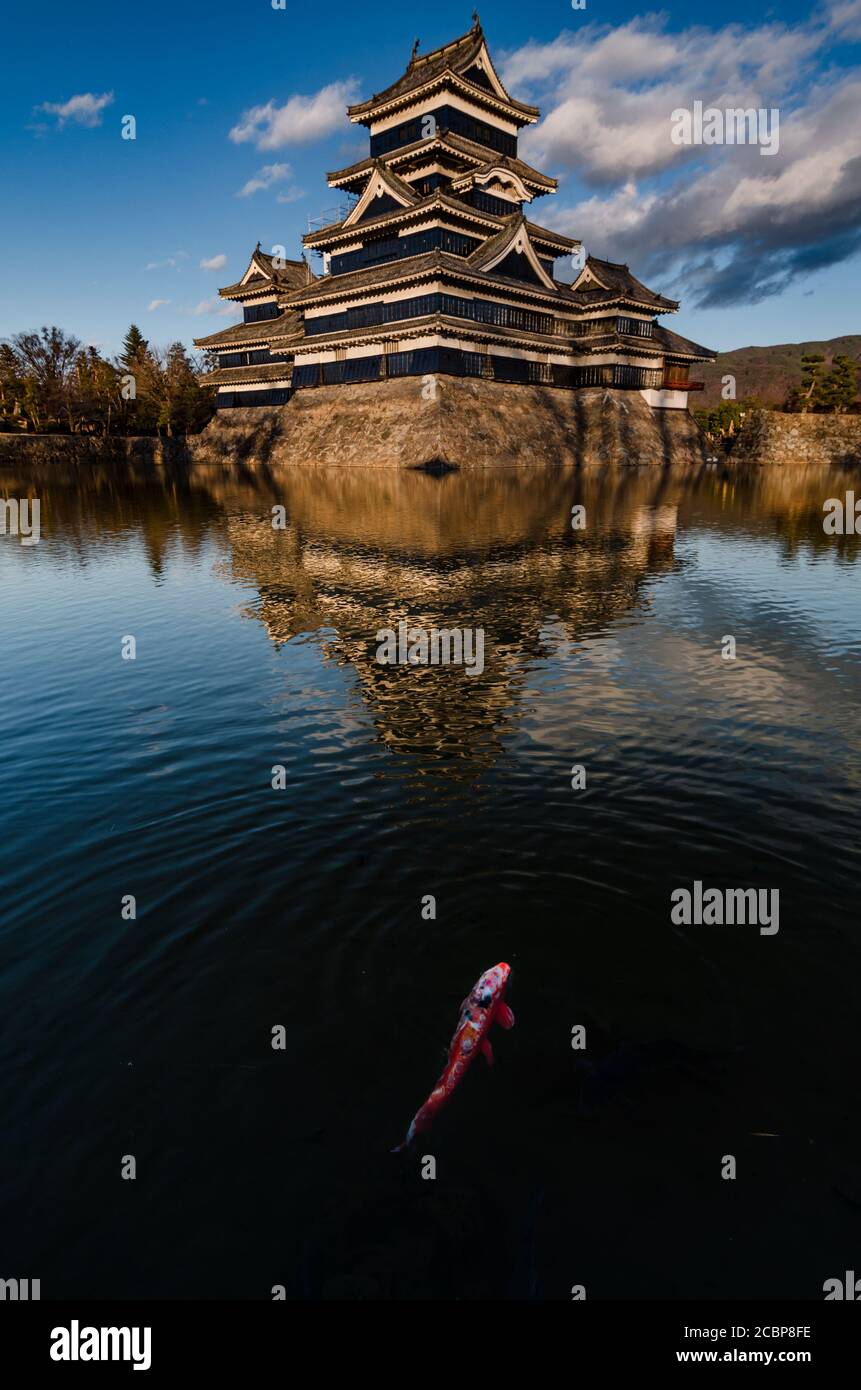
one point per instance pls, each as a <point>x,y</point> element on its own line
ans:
<point>135,347</point>
<point>839,389</point>
<point>138,408</point>
<point>806,396</point>
<point>183,407</point>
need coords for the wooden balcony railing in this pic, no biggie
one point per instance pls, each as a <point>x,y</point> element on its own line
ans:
<point>672,382</point>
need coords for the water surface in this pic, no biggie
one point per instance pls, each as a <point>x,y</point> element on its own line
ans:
<point>255,648</point>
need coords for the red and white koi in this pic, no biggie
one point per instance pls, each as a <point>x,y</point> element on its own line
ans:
<point>483,1006</point>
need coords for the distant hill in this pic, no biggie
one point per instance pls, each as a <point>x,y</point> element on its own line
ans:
<point>766,372</point>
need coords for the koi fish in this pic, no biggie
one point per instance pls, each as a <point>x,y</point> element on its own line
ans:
<point>483,1006</point>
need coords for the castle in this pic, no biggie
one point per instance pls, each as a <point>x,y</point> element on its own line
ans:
<point>437,266</point>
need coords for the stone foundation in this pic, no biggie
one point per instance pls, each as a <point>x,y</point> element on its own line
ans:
<point>465,423</point>
<point>392,424</point>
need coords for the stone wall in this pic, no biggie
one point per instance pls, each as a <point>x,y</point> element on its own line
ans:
<point>463,423</point>
<point>774,438</point>
<point>69,454</point>
<point>450,421</point>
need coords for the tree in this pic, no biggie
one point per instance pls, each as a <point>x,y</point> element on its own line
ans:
<point>48,379</point>
<point>47,359</point>
<point>183,407</point>
<point>138,408</point>
<point>11,386</point>
<point>98,398</point>
<point>135,347</point>
<point>726,417</point>
<point>806,396</point>
<point>839,389</point>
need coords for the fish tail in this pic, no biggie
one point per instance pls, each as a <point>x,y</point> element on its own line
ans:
<point>409,1139</point>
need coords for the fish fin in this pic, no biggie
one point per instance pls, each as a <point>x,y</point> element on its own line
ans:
<point>487,1052</point>
<point>503,1016</point>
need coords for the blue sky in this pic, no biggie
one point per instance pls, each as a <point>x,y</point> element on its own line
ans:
<point>96,229</point>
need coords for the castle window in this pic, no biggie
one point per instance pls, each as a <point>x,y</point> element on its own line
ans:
<point>254,313</point>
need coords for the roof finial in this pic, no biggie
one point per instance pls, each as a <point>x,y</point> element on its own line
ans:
<point>257,247</point>
<point>415,50</point>
<point>476,22</point>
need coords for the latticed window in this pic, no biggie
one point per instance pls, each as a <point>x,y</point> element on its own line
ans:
<point>463,124</point>
<point>245,359</point>
<point>395,137</point>
<point>629,376</point>
<point>455,362</point>
<point>488,202</point>
<point>584,328</point>
<point>397,248</point>
<point>486,311</point>
<point>362,369</point>
<point>489,311</point>
<point>253,313</point>
<point>637,328</point>
<point>383,250</point>
<point>306,375</point>
<point>454,243</point>
<point>510,369</point>
<point>415,363</point>
<point>540,372</point>
<point>588,376</point>
<point>447,118</point>
<point>227,400</point>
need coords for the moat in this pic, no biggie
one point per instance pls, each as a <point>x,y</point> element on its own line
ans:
<point>302,907</point>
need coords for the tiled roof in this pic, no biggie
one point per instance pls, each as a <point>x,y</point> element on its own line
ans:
<point>455,144</point>
<point>504,162</point>
<point>621,284</point>
<point>674,343</point>
<point>454,57</point>
<point>244,333</point>
<point>437,199</point>
<point>288,275</point>
<point>333,287</point>
<point>508,231</point>
<point>495,243</point>
<point>405,328</point>
<point>264,371</point>
<point>469,147</point>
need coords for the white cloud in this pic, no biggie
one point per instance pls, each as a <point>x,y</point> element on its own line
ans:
<point>291,196</point>
<point>156,304</point>
<point>844,17</point>
<point>720,223</point>
<point>299,121</point>
<point>264,178</point>
<point>214,262</point>
<point>609,96</point>
<point>219,307</point>
<point>170,262</point>
<point>85,109</point>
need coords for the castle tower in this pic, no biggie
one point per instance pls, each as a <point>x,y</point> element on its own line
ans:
<point>439,267</point>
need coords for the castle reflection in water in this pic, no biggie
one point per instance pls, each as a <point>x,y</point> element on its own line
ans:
<point>362,550</point>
